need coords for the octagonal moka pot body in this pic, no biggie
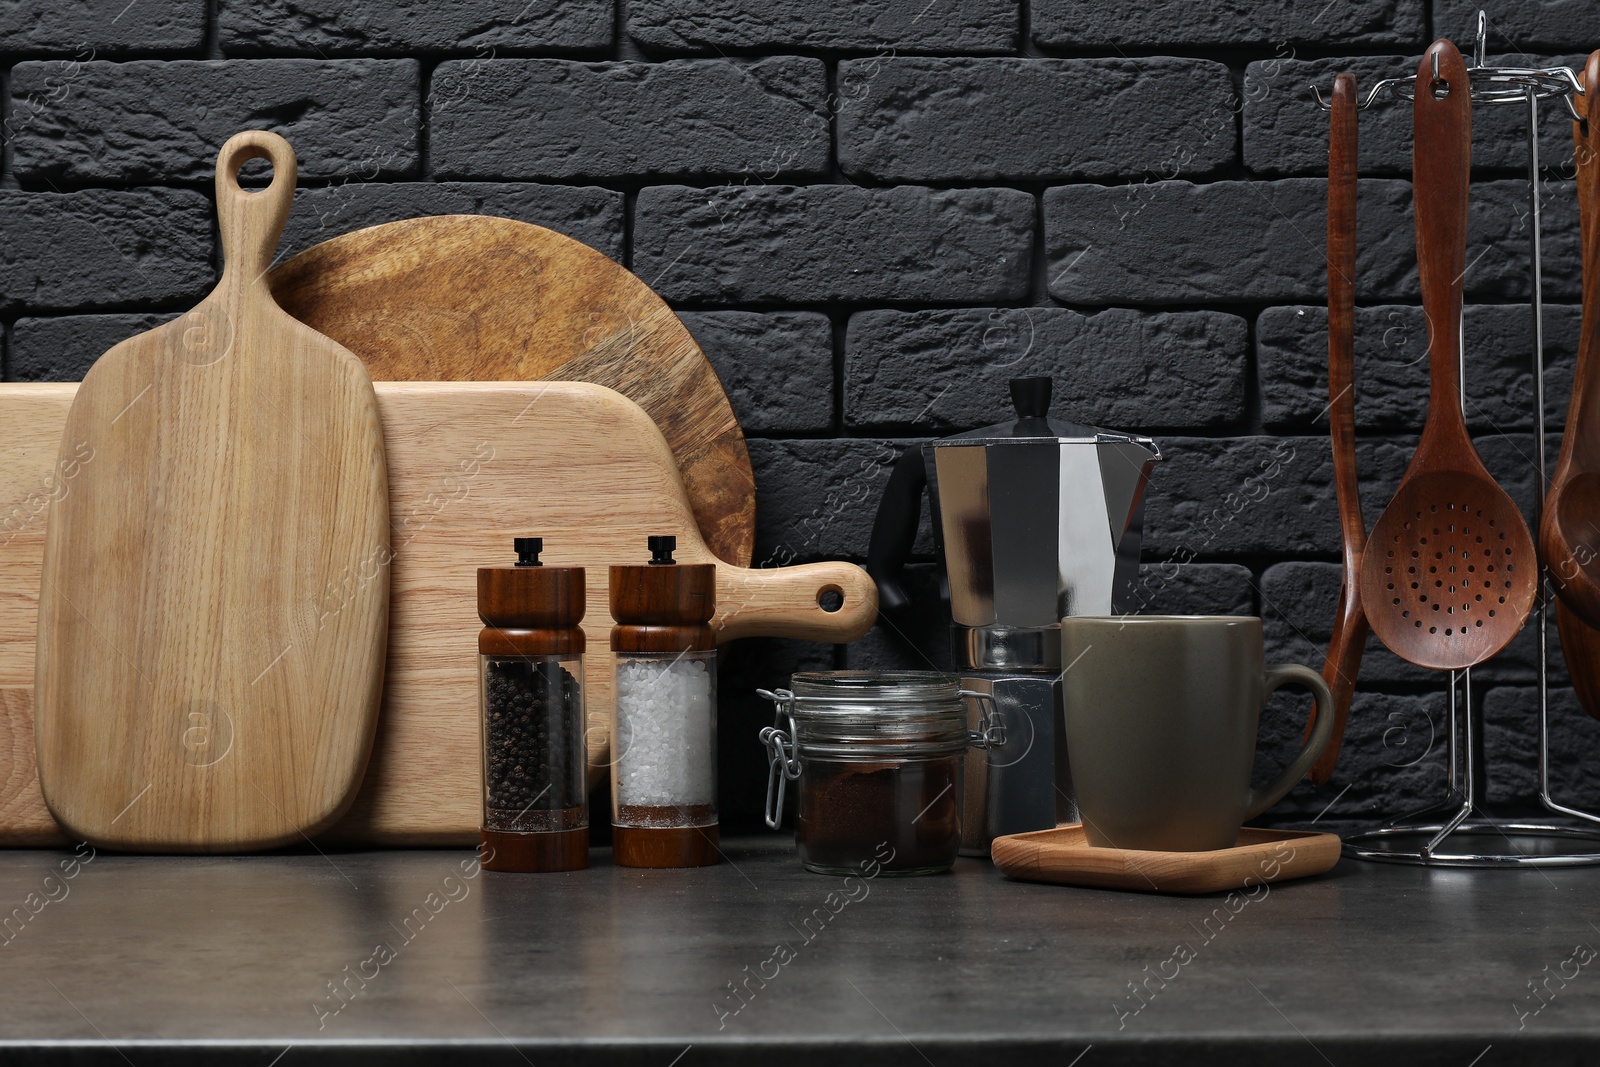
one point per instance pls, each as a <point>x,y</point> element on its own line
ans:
<point>1035,519</point>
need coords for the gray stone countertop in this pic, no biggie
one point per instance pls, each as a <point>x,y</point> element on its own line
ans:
<point>419,957</point>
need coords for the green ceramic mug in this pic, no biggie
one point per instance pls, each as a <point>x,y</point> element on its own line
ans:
<point>1161,719</point>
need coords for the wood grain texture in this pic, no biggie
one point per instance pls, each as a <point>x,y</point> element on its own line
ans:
<point>1063,856</point>
<point>663,607</point>
<point>1343,662</point>
<point>193,690</point>
<point>1450,571</point>
<point>471,465</point>
<point>1568,538</point>
<point>24,820</point>
<point>467,297</point>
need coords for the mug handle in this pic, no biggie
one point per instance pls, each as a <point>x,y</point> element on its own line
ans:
<point>1275,677</point>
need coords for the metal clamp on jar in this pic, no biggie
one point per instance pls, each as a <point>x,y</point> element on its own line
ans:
<point>878,758</point>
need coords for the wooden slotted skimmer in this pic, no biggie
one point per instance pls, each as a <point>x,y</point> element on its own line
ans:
<point>1450,571</point>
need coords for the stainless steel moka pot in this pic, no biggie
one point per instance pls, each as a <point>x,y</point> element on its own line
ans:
<point>1035,519</point>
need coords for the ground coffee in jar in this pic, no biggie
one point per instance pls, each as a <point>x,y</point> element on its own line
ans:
<point>877,758</point>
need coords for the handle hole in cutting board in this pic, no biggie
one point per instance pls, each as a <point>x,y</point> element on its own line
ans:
<point>254,175</point>
<point>830,598</point>
<point>248,161</point>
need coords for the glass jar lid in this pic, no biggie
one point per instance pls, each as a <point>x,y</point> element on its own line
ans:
<point>875,714</point>
<point>879,688</point>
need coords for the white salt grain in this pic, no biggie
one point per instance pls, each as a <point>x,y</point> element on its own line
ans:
<point>664,732</point>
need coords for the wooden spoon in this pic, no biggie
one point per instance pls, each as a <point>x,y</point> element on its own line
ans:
<point>1343,663</point>
<point>1580,642</point>
<point>1451,570</point>
<point>1569,535</point>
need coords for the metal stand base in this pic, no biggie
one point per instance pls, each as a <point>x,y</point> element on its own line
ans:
<point>1530,844</point>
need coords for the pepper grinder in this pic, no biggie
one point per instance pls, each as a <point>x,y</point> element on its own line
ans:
<point>664,734</point>
<point>530,669</point>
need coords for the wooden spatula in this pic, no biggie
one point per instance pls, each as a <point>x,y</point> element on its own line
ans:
<point>1450,570</point>
<point>1580,641</point>
<point>215,591</point>
<point>1343,662</point>
<point>1569,535</point>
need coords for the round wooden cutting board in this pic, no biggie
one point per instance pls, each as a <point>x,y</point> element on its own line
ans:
<point>473,297</point>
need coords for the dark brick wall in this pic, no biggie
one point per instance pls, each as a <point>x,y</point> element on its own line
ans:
<point>870,215</point>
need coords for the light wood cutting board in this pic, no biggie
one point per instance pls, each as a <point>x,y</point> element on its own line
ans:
<point>477,298</point>
<point>192,693</point>
<point>471,465</point>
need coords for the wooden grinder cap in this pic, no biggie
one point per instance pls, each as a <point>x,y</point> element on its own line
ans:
<point>529,608</point>
<point>663,605</point>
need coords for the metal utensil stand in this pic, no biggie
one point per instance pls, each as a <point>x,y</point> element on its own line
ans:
<point>1421,836</point>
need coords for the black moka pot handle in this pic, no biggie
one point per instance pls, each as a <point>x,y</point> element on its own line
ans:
<point>894,530</point>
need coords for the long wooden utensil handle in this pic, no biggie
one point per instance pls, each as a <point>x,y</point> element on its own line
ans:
<point>1442,172</point>
<point>1343,662</point>
<point>1342,309</point>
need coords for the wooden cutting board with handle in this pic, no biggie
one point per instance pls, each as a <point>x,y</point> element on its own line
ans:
<point>476,298</point>
<point>192,691</point>
<point>471,465</point>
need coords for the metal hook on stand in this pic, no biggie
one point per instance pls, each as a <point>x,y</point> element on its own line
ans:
<point>1490,85</point>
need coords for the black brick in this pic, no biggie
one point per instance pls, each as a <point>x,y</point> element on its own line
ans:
<point>103,248</point>
<point>1194,589</point>
<point>920,641</point>
<point>1392,366</point>
<point>154,121</point>
<point>551,118</point>
<point>817,499</point>
<point>101,27</point>
<point>777,368</point>
<point>906,26</point>
<point>1285,133</point>
<point>63,349</point>
<point>1237,496</point>
<point>487,27</point>
<point>1176,242</point>
<point>834,242</point>
<point>947,370</point>
<point>584,213</point>
<point>1511,741</point>
<point>1106,23</point>
<point>1392,761</point>
<point>1497,240</point>
<point>1550,24</point>
<point>969,119</point>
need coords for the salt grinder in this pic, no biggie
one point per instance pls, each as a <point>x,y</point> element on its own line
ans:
<point>664,735</point>
<point>530,669</point>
